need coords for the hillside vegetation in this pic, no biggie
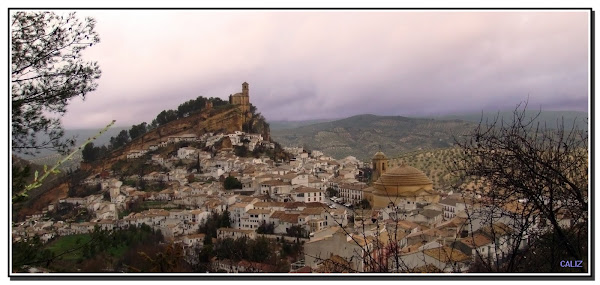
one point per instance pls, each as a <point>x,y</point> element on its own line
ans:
<point>284,125</point>
<point>434,163</point>
<point>363,135</point>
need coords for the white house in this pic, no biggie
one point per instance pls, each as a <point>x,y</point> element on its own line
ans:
<point>274,187</point>
<point>223,233</point>
<point>307,194</point>
<point>351,192</point>
<point>186,152</point>
<point>454,204</point>
<point>254,218</point>
<point>237,211</point>
<point>136,153</point>
<point>341,244</point>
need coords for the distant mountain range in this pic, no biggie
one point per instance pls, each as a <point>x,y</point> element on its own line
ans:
<point>81,135</point>
<point>363,135</point>
<point>550,118</point>
<point>284,125</point>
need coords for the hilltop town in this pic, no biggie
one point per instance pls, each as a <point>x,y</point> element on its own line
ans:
<point>346,215</point>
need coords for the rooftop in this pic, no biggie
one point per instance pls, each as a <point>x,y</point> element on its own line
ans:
<point>446,254</point>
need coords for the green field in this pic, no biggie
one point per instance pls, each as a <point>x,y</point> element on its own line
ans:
<point>68,243</point>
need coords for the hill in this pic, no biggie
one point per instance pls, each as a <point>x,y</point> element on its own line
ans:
<point>436,164</point>
<point>80,136</point>
<point>23,175</point>
<point>363,135</point>
<point>49,157</point>
<point>227,118</point>
<point>284,125</point>
<point>550,118</point>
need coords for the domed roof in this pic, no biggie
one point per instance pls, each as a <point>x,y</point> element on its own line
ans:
<point>379,155</point>
<point>403,175</point>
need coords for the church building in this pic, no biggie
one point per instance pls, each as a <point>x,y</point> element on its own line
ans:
<point>242,99</point>
<point>403,186</point>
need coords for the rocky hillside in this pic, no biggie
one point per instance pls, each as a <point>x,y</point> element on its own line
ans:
<point>363,135</point>
<point>222,119</point>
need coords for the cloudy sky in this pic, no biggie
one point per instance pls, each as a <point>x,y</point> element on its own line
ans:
<point>330,64</point>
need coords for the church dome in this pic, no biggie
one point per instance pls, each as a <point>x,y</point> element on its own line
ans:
<point>402,180</point>
<point>400,185</point>
<point>404,175</point>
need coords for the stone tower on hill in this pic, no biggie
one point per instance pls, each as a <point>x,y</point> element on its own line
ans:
<point>242,99</point>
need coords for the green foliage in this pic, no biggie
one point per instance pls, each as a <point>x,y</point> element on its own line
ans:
<point>190,106</point>
<point>138,130</point>
<point>297,231</point>
<point>106,196</point>
<point>79,253</point>
<point>278,154</point>
<point>364,203</point>
<point>257,123</point>
<point>266,228</point>
<point>68,244</point>
<point>30,252</point>
<point>128,167</point>
<point>232,183</point>
<point>259,250</point>
<point>179,163</point>
<point>91,153</point>
<point>165,117</point>
<point>331,192</point>
<point>82,190</point>
<point>214,222</point>
<point>70,212</point>
<point>241,151</point>
<point>436,164</point>
<point>207,240</point>
<point>120,140</point>
<point>47,70</point>
<point>185,109</point>
<point>164,258</point>
<point>291,250</point>
<point>225,219</point>
<point>19,177</point>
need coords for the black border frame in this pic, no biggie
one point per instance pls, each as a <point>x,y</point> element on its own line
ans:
<point>310,276</point>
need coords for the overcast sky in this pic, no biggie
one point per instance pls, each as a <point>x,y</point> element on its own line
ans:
<point>331,64</point>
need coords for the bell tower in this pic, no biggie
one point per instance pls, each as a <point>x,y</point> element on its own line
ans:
<point>245,98</point>
<point>245,89</point>
<point>380,165</point>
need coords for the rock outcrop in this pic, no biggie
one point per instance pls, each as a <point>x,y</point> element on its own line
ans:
<point>227,119</point>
